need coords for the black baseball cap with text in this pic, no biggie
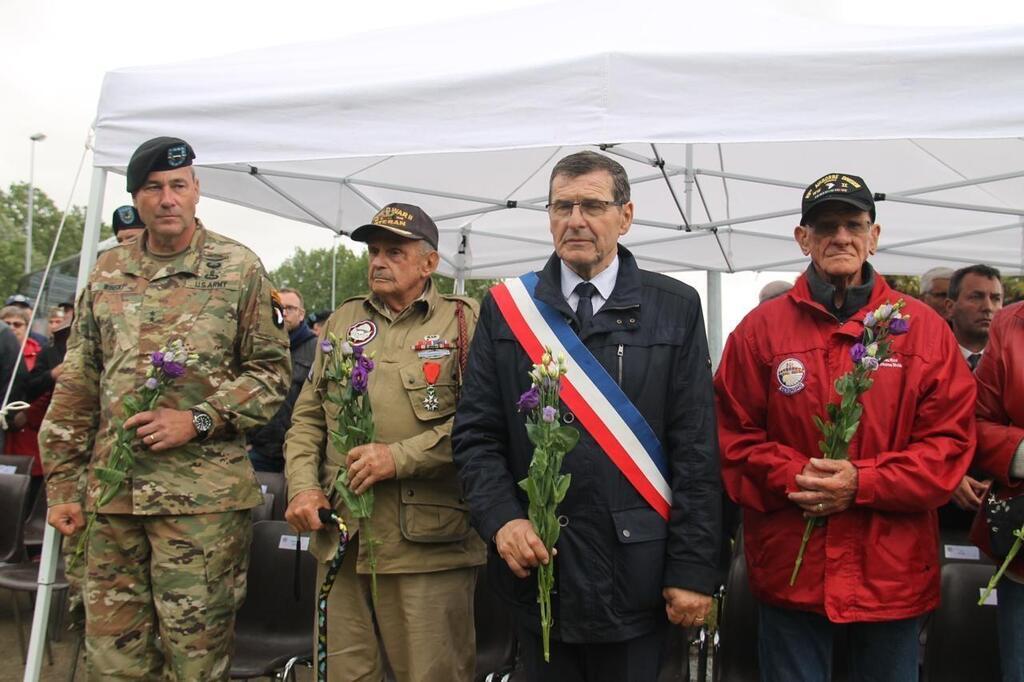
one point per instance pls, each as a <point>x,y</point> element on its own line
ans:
<point>842,187</point>
<point>404,220</point>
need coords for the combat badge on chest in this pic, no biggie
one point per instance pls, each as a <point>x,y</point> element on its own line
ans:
<point>430,348</point>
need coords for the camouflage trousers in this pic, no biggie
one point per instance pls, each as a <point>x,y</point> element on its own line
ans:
<point>179,577</point>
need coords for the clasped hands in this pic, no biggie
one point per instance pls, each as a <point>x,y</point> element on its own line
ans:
<point>827,486</point>
<point>522,549</point>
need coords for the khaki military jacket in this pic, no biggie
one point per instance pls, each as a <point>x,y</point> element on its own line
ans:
<point>420,519</point>
<point>217,297</point>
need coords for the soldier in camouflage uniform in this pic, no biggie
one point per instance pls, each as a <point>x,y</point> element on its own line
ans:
<point>169,553</point>
<point>427,553</point>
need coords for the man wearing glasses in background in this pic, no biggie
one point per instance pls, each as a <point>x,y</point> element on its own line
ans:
<point>627,562</point>
<point>266,443</point>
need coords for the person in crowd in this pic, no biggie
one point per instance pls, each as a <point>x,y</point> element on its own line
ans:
<point>935,288</point>
<point>633,554</point>
<point>167,557</point>
<point>13,374</point>
<point>60,317</point>
<point>23,425</point>
<point>426,552</point>
<point>266,443</point>
<point>773,290</point>
<point>25,303</point>
<point>126,223</point>
<point>318,319</point>
<point>975,296</point>
<point>873,564</point>
<point>1000,413</point>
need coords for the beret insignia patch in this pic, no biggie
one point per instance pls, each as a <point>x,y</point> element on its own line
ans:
<point>176,155</point>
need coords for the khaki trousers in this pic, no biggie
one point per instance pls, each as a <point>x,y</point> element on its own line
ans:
<point>422,625</point>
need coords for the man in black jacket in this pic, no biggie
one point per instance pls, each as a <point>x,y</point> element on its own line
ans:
<point>621,567</point>
<point>267,442</point>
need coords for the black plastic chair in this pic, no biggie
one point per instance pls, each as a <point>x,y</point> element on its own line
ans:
<point>19,574</point>
<point>22,464</point>
<point>273,629</point>
<point>737,657</point>
<point>495,634</point>
<point>962,641</point>
<point>35,525</point>
<point>275,484</point>
<point>265,511</point>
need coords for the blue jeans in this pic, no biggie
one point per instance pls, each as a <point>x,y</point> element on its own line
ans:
<point>1010,614</point>
<point>796,646</point>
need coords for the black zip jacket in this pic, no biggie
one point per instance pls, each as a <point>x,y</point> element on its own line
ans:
<point>615,553</point>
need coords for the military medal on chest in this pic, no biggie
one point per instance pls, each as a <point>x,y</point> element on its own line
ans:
<point>432,346</point>
<point>431,372</point>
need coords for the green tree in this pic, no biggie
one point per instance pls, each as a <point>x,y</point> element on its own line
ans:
<point>310,273</point>
<point>45,220</point>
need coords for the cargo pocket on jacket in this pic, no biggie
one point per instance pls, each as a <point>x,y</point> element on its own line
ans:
<point>639,559</point>
<point>431,516</point>
<point>425,406</point>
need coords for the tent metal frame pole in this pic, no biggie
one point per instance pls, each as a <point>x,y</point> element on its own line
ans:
<point>964,183</point>
<point>255,172</point>
<point>51,540</point>
<point>904,199</point>
<point>949,259</point>
<point>460,261</point>
<point>714,277</point>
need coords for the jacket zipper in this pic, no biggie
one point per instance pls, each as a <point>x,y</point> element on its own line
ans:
<point>620,364</point>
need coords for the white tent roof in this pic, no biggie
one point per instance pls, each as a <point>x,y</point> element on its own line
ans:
<point>467,118</point>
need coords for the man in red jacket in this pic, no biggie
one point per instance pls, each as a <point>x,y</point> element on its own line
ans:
<point>874,564</point>
<point>1000,412</point>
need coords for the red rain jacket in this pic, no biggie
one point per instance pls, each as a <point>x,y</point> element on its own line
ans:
<point>878,560</point>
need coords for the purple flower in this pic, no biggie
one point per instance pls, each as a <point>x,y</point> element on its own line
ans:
<point>869,362</point>
<point>899,326</point>
<point>360,379</point>
<point>157,359</point>
<point>152,383</point>
<point>326,346</point>
<point>365,362</point>
<point>869,320</point>
<point>858,351</point>
<point>548,414</point>
<point>174,369</point>
<point>529,400</point>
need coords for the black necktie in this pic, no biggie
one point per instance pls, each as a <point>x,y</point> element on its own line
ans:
<point>973,359</point>
<point>585,308</point>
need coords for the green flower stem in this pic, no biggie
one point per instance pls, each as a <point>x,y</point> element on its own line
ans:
<point>1010,556</point>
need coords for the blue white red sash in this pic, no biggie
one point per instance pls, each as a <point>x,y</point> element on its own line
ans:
<point>589,391</point>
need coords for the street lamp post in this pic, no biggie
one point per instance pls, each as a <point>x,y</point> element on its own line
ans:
<point>38,137</point>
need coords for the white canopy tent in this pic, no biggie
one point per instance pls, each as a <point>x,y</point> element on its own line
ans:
<point>721,112</point>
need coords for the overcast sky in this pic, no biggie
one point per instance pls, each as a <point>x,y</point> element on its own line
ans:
<point>54,55</point>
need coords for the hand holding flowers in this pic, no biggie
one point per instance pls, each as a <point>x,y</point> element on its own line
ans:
<point>874,348</point>
<point>544,484</point>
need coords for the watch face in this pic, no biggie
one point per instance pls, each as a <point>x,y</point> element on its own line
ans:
<point>202,422</point>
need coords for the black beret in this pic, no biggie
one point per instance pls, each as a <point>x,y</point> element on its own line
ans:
<point>126,218</point>
<point>158,154</point>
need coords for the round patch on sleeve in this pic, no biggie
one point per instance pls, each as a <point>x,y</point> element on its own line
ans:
<point>276,309</point>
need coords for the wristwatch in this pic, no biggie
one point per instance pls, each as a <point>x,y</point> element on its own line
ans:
<point>202,423</point>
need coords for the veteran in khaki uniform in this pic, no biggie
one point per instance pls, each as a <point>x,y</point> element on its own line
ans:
<point>427,553</point>
<point>170,550</point>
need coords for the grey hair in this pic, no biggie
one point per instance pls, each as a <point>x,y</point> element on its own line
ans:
<point>935,273</point>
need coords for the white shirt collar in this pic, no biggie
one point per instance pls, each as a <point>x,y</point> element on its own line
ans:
<point>604,281</point>
<point>967,352</point>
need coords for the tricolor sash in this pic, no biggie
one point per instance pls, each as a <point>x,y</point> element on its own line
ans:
<point>589,391</point>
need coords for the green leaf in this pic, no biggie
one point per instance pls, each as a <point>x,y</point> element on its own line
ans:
<point>566,438</point>
<point>562,487</point>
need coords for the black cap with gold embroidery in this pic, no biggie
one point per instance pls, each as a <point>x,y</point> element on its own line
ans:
<point>849,189</point>
<point>158,154</point>
<point>404,220</point>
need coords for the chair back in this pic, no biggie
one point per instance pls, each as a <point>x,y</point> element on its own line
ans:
<point>274,483</point>
<point>13,505</point>
<point>270,609</point>
<point>962,641</point>
<point>35,525</point>
<point>16,464</point>
<point>495,632</point>
<point>264,511</point>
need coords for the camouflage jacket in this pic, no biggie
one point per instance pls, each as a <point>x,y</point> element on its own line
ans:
<point>419,517</point>
<point>216,296</point>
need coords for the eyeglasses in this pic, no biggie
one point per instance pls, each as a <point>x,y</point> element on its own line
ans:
<point>589,207</point>
<point>15,323</point>
<point>291,308</point>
